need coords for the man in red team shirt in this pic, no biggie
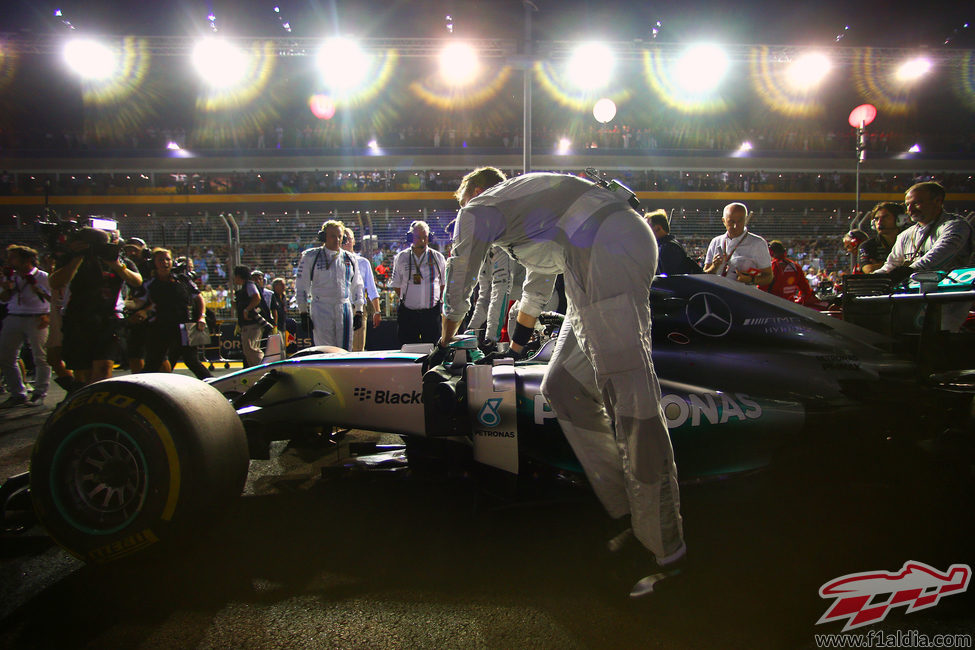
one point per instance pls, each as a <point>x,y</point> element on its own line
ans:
<point>788,279</point>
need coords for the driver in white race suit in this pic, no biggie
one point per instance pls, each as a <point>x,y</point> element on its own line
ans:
<point>491,310</point>
<point>600,382</point>
<point>328,278</point>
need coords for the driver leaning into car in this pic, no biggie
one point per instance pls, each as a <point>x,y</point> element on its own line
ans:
<point>600,382</point>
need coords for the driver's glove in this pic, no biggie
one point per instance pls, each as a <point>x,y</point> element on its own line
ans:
<point>436,357</point>
<point>900,274</point>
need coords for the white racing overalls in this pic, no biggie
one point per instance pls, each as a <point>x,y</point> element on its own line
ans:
<point>494,282</point>
<point>600,382</point>
<point>330,282</point>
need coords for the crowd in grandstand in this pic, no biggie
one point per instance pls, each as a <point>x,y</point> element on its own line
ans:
<point>445,180</point>
<point>332,135</point>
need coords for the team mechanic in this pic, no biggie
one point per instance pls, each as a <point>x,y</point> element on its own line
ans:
<point>600,382</point>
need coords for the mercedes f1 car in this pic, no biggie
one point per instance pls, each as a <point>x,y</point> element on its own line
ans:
<point>130,462</point>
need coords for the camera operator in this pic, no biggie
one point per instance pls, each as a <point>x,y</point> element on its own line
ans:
<point>90,266</point>
<point>28,299</point>
<point>173,299</point>
<point>136,330</point>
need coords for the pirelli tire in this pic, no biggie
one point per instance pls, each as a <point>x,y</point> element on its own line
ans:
<point>132,464</point>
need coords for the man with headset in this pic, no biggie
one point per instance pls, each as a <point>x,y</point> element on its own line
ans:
<point>888,219</point>
<point>418,280</point>
<point>600,381</point>
<point>328,280</point>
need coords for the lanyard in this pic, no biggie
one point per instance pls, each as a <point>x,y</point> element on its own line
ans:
<point>409,273</point>
<point>727,260</point>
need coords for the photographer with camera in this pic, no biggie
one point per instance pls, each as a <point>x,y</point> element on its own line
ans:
<point>88,262</point>
<point>173,301</point>
<point>28,299</point>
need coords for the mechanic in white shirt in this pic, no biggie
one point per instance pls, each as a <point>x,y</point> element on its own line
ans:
<point>739,254</point>
<point>28,298</point>
<point>371,297</point>
<point>328,289</point>
<point>418,280</point>
<point>600,381</point>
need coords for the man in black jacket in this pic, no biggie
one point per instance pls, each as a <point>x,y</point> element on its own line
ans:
<point>672,258</point>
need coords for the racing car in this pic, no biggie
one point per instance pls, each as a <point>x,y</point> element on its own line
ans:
<point>127,464</point>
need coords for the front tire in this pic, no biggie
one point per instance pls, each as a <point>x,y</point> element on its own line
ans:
<point>128,464</point>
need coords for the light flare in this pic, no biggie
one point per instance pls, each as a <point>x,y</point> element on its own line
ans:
<point>659,77</point>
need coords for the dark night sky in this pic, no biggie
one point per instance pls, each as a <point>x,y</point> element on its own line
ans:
<point>871,22</point>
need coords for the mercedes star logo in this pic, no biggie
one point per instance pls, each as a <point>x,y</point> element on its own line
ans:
<point>708,314</point>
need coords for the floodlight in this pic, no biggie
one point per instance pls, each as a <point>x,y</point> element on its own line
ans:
<point>90,59</point>
<point>745,146</point>
<point>808,70</point>
<point>915,149</point>
<point>591,66</point>
<point>219,63</point>
<point>913,69</point>
<point>701,68</point>
<point>604,110</point>
<point>342,63</point>
<point>564,145</point>
<point>459,64</point>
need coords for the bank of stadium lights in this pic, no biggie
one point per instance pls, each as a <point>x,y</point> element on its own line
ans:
<point>219,63</point>
<point>342,64</point>
<point>591,66</point>
<point>913,69</point>
<point>459,64</point>
<point>701,68</point>
<point>90,59</point>
<point>808,70</point>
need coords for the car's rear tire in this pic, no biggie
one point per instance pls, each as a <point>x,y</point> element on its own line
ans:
<point>128,464</point>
